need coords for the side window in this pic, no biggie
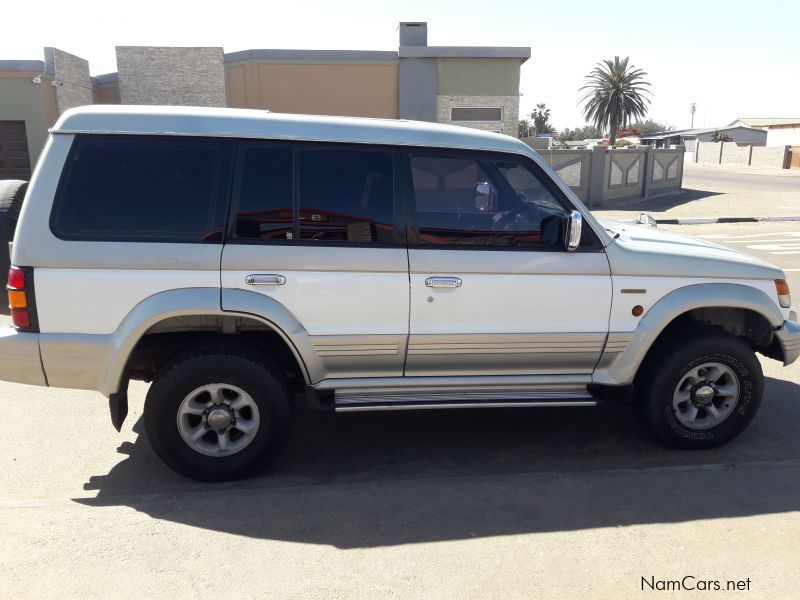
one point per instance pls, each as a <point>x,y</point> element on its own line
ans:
<point>345,195</point>
<point>265,194</point>
<point>132,188</point>
<point>483,202</point>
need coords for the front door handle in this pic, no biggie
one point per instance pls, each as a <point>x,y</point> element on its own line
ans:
<point>264,279</point>
<point>443,282</point>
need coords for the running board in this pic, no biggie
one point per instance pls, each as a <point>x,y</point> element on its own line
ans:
<point>354,403</point>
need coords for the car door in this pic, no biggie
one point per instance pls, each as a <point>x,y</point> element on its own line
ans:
<point>493,289</point>
<point>315,228</point>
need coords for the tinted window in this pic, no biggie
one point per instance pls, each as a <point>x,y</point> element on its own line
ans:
<point>265,194</point>
<point>345,196</point>
<point>479,202</point>
<point>143,189</point>
<point>476,114</point>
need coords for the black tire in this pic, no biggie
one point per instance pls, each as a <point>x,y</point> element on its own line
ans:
<point>246,370</point>
<point>673,360</point>
<point>12,193</point>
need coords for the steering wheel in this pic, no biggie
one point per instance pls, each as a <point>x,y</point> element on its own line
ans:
<point>504,221</point>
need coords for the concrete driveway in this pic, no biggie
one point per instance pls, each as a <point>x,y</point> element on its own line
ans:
<point>557,503</point>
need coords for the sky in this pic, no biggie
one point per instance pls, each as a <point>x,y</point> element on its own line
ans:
<point>733,59</point>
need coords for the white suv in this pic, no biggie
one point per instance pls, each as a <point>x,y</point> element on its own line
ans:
<point>235,258</point>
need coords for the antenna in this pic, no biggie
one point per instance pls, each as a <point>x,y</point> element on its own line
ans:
<point>692,109</point>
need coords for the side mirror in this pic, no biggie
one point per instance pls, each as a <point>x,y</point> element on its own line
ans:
<point>485,196</point>
<point>574,228</point>
<point>647,219</point>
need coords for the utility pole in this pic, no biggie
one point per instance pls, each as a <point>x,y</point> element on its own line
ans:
<point>692,109</point>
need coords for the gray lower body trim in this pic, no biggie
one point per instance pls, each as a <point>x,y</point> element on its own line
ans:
<point>20,361</point>
<point>502,354</point>
<point>789,338</point>
<point>483,383</point>
<point>471,404</point>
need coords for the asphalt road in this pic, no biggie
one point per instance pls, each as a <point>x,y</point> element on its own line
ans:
<point>557,503</point>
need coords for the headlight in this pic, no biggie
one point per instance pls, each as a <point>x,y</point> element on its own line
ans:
<point>784,297</point>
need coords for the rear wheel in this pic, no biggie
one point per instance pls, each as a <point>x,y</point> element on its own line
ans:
<point>12,193</point>
<point>699,393</point>
<point>218,414</point>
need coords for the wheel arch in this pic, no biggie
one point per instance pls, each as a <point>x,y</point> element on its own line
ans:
<point>727,305</point>
<point>173,305</point>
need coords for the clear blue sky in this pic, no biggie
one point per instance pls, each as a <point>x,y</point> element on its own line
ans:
<point>734,59</point>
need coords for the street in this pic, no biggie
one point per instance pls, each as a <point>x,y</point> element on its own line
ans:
<point>550,503</point>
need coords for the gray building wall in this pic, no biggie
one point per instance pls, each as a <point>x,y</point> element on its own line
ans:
<point>175,76</point>
<point>417,89</point>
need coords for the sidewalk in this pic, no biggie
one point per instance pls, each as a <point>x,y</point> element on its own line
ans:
<point>712,195</point>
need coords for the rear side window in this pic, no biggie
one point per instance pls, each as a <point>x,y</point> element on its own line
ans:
<point>157,189</point>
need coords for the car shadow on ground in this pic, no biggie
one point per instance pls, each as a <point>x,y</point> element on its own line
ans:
<point>378,479</point>
<point>659,203</point>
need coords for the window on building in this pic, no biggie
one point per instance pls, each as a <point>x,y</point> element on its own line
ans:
<point>346,196</point>
<point>265,200</point>
<point>480,202</point>
<point>476,114</point>
<point>135,188</point>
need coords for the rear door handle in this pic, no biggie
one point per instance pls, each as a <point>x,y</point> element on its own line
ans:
<point>443,282</point>
<point>264,279</point>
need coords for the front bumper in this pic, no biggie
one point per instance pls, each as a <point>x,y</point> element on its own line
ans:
<point>788,336</point>
<point>20,361</point>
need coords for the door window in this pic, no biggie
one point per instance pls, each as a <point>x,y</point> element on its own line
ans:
<point>345,196</point>
<point>484,202</point>
<point>265,209</point>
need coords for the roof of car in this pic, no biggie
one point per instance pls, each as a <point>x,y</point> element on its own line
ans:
<point>246,123</point>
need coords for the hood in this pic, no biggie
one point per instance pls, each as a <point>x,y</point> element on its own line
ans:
<point>645,250</point>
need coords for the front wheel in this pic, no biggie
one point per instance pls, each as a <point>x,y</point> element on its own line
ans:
<point>699,389</point>
<point>218,414</point>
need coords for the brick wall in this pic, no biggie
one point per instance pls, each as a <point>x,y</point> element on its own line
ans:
<point>176,76</point>
<point>733,154</point>
<point>510,105</point>
<point>768,156</point>
<point>73,84</point>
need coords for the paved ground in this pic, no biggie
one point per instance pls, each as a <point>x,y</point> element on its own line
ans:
<point>715,193</point>
<point>560,503</point>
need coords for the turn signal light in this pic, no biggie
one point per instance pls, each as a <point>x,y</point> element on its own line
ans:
<point>784,297</point>
<point>17,299</point>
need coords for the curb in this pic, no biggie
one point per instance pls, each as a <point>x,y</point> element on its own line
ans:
<point>713,220</point>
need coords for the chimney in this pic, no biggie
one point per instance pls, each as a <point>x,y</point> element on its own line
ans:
<point>414,34</point>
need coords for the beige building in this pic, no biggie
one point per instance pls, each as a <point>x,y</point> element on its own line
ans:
<point>780,132</point>
<point>464,85</point>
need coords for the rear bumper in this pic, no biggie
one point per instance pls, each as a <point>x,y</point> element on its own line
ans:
<point>788,336</point>
<point>20,361</point>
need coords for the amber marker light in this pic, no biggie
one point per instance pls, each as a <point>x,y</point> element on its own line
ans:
<point>17,299</point>
<point>784,297</point>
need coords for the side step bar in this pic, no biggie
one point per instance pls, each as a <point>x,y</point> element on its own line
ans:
<point>355,403</point>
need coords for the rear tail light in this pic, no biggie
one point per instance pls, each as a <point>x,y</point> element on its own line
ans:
<point>20,298</point>
<point>784,297</point>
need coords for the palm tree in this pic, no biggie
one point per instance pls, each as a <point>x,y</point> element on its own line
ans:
<point>541,120</point>
<point>615,95</point>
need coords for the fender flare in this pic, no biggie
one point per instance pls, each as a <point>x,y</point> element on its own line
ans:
<point>622,370</point>
<point>201,301</point>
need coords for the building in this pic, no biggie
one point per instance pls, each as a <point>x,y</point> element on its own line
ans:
<point>463,85</point>
<point>741,134</point>
<point>780,132</point>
